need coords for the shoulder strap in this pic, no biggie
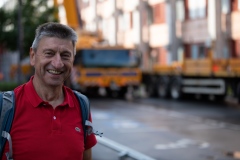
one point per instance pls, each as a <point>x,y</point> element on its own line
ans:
<point>85,108</point>
<point>7,105</point>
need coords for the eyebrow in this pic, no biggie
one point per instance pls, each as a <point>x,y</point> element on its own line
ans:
<point>48,49</point>
<point>53,50</point>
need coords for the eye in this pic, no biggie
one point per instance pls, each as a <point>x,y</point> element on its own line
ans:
<point>48,53</point>
<point>66,55</point>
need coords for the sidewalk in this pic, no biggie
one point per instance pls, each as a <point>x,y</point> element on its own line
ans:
<point>100,152</point>
<point>107,149</point>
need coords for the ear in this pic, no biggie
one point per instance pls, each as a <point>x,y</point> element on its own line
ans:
<point>32,56</point>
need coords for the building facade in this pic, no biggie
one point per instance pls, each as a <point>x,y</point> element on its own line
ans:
<point>167,30</point>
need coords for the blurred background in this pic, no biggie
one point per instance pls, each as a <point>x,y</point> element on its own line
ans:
<point>168,48</point>
<point>156,53</point>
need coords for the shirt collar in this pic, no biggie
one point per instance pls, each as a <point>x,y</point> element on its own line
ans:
<point>36,101</point>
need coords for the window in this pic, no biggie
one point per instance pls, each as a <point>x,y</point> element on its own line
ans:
<point>225,6</point>
<point>150,15</point>
<point>180,14</point>
<point>115,58</point>
<point>197,9</point>
<point>194,52</point>
<point>198,51</point>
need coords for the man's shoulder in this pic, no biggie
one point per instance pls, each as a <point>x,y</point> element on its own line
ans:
<point>19,89</point>
<point>71,98</point>
<point>68,91</point>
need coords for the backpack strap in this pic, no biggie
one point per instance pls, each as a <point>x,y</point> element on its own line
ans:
<point>7,105</point>
<point>85,108</point>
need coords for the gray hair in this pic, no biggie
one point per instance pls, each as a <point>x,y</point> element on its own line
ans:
<point>53,29</point>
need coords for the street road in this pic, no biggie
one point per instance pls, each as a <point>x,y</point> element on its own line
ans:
<point>165,129</point>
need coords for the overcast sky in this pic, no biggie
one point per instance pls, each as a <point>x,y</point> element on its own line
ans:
<point>2,2</point>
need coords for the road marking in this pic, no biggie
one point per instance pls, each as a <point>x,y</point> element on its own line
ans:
<point>125,124</point>
<point>101,115</point>
<point>182,143</point>
<point>204,145</point>
<point>143,130</point>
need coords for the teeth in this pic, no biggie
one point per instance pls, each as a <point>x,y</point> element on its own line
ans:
<point>54,72</point>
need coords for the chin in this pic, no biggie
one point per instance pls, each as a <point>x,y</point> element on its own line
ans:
<point>55,84</point>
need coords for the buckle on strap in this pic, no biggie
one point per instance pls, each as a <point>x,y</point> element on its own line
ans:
<point>90,130</point>
<point>8,137</point>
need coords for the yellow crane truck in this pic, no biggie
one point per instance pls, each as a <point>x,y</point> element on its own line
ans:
<point>103,69</point>
<point>106,70</point>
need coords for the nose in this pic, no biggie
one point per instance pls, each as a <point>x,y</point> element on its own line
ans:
<point>57,61</point>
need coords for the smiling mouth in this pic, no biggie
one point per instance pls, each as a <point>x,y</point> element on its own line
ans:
<point>54,72</point>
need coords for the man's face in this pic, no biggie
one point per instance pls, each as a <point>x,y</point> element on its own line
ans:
<point>52,61</point>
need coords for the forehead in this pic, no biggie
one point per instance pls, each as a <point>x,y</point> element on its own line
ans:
<point>55,43</point>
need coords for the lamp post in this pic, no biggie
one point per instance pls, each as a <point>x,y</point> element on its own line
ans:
<point>20,40</point>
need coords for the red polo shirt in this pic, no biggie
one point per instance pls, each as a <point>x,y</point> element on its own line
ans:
<point>40,132</point>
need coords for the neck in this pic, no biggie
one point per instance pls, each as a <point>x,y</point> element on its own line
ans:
<point>52,94</point>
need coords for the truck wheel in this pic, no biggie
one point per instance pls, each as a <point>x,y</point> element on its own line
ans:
<point>219,98</point>
<point>123,92</point>
<point>112,93</point>
<point>163,87</point>
<point>150,90</point>
<point>175,89</point>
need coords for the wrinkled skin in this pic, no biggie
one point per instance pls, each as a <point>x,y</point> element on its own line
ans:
<point>52,61</point>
